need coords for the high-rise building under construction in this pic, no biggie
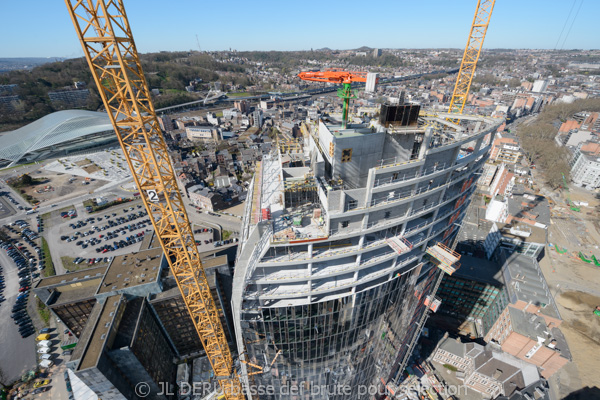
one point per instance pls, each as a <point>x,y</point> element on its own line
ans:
<point>332,275</point>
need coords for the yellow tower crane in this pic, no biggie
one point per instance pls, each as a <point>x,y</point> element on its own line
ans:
<point>108,46</point>
<point>481,20</point>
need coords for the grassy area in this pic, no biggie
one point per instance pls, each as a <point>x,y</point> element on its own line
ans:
<point>450,367</point>
<point>71,207</point>
<point>226,234</point>
<point>43,311</point>
<point>72,267</point>
<point>17,166</point>
<point>45,217</point>
<point>89,203</point>
<point>96,208</point>
<point>48,264</point>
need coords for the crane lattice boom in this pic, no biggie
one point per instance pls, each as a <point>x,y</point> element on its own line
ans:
<point>479,27</point>
<point>334,76</point>
<point>105,35</point>
<point>337,76</point>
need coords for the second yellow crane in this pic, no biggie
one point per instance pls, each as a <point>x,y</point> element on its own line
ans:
<point>481,20</point>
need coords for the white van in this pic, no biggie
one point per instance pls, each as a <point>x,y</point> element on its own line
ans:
<point>46,363</point>
<point>45,356</point>
<point>44,343</point>
<point>43,350</point>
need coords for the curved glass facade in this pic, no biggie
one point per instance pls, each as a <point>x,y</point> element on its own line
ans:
<point>53,130</point>
<point>332,349</point>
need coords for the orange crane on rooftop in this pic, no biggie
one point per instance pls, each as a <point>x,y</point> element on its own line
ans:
<point>340,77</point>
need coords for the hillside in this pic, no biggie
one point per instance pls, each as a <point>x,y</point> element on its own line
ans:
<point>169,72</point>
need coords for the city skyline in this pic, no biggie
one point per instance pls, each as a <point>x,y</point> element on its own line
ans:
<point>48,32</point>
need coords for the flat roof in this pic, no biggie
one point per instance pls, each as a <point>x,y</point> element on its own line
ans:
<point>524,204</point>
<point>527,283</point>
<point>534,326</point>
<point>71,277</point>
<point>537,235</point>
<point>209,260</point>
<point>352,130</point>
<point>75,292</point>
<point>147,241</point>
<point>102,326</point>
<point>131,270</point>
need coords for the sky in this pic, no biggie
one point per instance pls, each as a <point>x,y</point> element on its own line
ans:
<point>43,28</point>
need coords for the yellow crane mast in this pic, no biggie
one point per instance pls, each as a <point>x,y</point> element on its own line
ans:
<point>108,46</point>
<point>481,20</point>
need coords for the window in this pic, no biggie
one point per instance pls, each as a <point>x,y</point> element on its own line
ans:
<point>395,176</point>
<point>346,155</point>
<point>352,204</point>
<point>387,214</point>
<point>345,224</point>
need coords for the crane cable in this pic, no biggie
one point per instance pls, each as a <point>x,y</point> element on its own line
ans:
<point>565,24</point>
<point>572,23</point>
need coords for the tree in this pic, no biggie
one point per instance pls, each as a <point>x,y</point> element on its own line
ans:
<point>26,180</point>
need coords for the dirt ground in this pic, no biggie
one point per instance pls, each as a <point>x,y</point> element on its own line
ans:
<point>582,331</point>
<point>574,284</point>
<point>58,185</point>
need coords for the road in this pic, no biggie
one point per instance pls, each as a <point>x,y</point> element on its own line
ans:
<point>16,355</point>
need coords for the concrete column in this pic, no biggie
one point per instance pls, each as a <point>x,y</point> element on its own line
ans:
<point>425,143</point>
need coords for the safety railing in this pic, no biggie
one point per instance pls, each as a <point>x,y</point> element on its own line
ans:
<point>405,177</point>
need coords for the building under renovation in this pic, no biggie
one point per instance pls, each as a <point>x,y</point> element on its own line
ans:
<point>342,246</point>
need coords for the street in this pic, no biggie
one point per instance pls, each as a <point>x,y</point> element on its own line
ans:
<point>16,354</point>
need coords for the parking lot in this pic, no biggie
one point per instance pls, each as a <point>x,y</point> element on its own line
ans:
<point>51,382</point>
<point>16,355</point>
<point>106,234</point>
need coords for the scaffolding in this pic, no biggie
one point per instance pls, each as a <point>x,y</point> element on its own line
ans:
<point>444,258</point>
<point>399,244</point>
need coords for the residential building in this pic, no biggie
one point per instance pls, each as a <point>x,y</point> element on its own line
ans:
<point>497,210</point>
<point>77,98</point>
<point>488,174</point>
<point>488,370</point>
<point>166,123</point>
<point>257,118</point>
<point>333,252</point>
<point>525,320</point>
<point>506,149</point>
<point>531,337</point>
<point>585,166</point>
<point>539,86</point>
<point>204,198</point>
<point>202,133</point>
<point>503,182</point>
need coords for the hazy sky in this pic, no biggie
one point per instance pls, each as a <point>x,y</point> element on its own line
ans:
<point>42,28</point>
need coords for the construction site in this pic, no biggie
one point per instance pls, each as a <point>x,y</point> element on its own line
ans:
<point>347,233</point>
